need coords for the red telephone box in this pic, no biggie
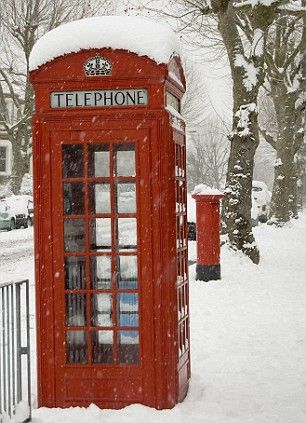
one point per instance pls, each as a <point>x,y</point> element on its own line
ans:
<point>110,231</point>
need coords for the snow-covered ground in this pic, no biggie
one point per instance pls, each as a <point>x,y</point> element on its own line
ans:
<point>248,336</point>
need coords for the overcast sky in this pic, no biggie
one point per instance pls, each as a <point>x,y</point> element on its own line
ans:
<point>215,74</point>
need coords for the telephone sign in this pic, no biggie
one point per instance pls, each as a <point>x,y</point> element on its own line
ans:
<point>99,98</point>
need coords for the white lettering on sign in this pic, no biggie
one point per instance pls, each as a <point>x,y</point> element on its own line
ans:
<point>105,98</point>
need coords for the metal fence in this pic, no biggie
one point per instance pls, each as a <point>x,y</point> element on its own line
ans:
<point>15,366</point>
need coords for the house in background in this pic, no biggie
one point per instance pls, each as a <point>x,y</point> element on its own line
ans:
<point>9,113</point>
<point>5,156</point>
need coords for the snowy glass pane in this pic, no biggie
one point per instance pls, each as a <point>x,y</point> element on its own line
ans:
<point>186,336</point>
<point>75,272</point>
<point>128,346</point>
<point>3,158</point>
<point>126,198</point>
<point>127,233</point>
<point>75,309</point>
<point>102,310</point>
<point>98,160</point>
<point>100,234</point>
<point>127,309</point>
<point>74,198</point>
<point>125,160</point>
<point>181,339</point>
<point>102,346</point>
<point>74,235</point>
<point>173,101</point>
<point>99,198</point>
<point>127,272</point>
<point>73,161</point>
<point>76,347</point>
<point>101,272</point>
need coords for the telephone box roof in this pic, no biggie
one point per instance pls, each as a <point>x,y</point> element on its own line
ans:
<point>136,34</point>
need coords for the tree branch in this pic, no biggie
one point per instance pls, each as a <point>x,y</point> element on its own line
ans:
<point>11,89</point>
<point>268,137</point>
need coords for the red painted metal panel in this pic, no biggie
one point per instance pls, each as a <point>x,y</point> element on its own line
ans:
<point>208,228</point>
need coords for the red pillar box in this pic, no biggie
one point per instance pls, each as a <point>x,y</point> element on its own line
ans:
<point>208,233</point>
<point>109,161</point>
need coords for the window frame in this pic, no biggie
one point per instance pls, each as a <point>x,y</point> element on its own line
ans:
<point>6,145</point>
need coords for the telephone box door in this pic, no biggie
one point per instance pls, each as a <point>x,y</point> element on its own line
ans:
<point>102,282</point>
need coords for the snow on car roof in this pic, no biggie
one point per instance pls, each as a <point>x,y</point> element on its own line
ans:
<point>133,33</point>
<point>18,203</point>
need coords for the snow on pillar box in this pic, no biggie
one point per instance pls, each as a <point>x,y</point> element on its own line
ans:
<point>111,229</point>
<point>208,233</point>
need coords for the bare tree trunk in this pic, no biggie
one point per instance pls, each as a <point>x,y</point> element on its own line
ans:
<point>284,193</point>
<point>285,59</point>
<point>283,170</point>
<point>293,192</point>
<point>237,201</point>
<point>21,164</point>
<point>4,183</point>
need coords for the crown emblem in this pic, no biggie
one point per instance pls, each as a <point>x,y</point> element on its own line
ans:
<point>97,66</point>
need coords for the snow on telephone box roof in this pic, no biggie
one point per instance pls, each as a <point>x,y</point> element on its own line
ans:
<point>135,34</point>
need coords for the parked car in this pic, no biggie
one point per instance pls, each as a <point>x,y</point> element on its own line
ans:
<point>261,195</point>
<point>30,208</point>
<point>16,211</point>
<point>7,220</point>
<point>191,218</point>
<point>192,232</point>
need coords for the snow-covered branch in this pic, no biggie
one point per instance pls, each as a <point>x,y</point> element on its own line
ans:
<point>268,137</point>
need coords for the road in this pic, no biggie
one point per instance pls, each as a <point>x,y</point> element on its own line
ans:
<point>16,254</point>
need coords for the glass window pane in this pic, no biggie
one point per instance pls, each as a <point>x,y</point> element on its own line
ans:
<point>127,309</point>
<point>127,272</point>
<point>74,235</point>
<point>73,161</point>
<point>128,346</point>
<point>101,272</point>
<point>127,233</point>
<point>74,198</point>
<point>75,271</point>
<point>3,158</point>
<point>98,160</point>
<point>126,198</point>
<point>76,347</point>
<point>100,234</point>
<point>99,198</point>
<point>125,160</point>
<point>102,310</point>
<point>75,309</point>
<point>102,346</point>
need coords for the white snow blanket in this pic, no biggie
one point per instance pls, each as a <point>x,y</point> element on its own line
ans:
<point>248,336</point>
<point>133,33</point>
